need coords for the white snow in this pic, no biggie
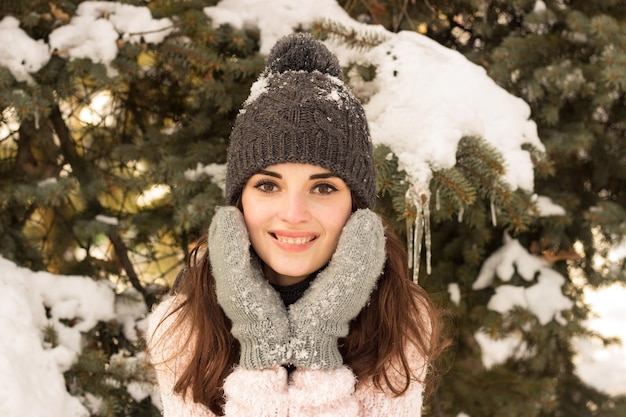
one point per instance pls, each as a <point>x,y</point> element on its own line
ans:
<point>424,99</point>
<point>98,25</point>
<point>113,221</point>
<point>604,367</point>
<point>503,263</point>
<point>217,173</point>
<point>32,368</point>
<point>47,181</point>
<point>497,351</point>
<point>547,207</point>
<point>544,299</point>
<point>19,53</point>
<point>455,293</point>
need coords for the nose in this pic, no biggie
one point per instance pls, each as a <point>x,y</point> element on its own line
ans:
<point>294,208</point>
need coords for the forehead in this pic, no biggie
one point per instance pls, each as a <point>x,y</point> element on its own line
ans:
<point>291,169</point>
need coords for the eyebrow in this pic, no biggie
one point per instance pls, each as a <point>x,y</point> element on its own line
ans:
<point>312,177</point>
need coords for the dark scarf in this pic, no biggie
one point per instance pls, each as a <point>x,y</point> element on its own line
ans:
<point>292,293</point>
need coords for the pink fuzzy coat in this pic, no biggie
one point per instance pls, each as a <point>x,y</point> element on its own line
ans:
<point>270,393</point>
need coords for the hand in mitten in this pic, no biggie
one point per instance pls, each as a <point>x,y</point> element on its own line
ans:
<point>259,319</point>
<point>338,294</point>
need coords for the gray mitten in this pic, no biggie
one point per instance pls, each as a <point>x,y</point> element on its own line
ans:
<point>257,313</point>
<point>338,293</point>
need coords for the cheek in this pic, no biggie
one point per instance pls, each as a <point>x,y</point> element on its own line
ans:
<point>253,220</point>
<point>250,222</point>
<point>258,217</point>
<point>336,219</point>
<point>251,215</point>
<point>255,231</point>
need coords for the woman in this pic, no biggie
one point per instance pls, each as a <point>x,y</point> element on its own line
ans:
<point>298,300</point>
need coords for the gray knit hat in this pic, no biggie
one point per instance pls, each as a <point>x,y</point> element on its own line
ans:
<point>299,110</point>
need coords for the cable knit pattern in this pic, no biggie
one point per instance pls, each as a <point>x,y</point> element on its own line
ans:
<point>299,110</point>
<point>266,392</point>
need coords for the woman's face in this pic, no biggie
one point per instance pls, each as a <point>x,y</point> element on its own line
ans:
<point>295,214</point>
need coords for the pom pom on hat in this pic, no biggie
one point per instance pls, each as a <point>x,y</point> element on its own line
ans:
<point>300,111</point>
<point>302,52</point>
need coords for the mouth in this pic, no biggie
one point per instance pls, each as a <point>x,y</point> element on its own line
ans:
<point>293,240</point>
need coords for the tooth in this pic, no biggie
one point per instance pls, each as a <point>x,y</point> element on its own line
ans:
<point>294,241</point>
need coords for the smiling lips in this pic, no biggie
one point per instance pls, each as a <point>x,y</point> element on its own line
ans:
<point>293,242</point>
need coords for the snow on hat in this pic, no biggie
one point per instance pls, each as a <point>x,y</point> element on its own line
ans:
<point>299,110</point>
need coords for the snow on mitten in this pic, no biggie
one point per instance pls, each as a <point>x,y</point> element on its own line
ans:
<point>338,293</point>
<point>258,315</point>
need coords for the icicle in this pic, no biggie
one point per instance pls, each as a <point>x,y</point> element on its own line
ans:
<point>411,228</point>
<point>494,221</point>
<point>437,201</point>
<point>460,215</point>
<point>418,232</point>
<point>427,238</point>
<point>409,233</point>
<point>417,243</point>
<point>37,119</point>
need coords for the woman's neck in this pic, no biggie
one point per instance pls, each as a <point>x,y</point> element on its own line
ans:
<point>292,293</point>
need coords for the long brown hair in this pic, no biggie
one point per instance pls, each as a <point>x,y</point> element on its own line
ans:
<point>399,313</point>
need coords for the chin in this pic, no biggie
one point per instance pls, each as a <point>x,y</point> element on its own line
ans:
<point>292,275</point>
<point>295,274</point>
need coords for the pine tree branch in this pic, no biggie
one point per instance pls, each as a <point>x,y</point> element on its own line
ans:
<point>67,145</point>
<point>147,32</point>
<point>465,197</point>
<point>351,37</point>
<point>475,148</point>
<point>84,176</point>
<point>503,197</point>
<point>121,251</point>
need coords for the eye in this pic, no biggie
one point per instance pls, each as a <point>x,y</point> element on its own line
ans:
<point>266,186</point>
<point>324,188</point>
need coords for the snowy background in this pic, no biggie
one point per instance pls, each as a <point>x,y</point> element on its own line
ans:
<point>424,99</point>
